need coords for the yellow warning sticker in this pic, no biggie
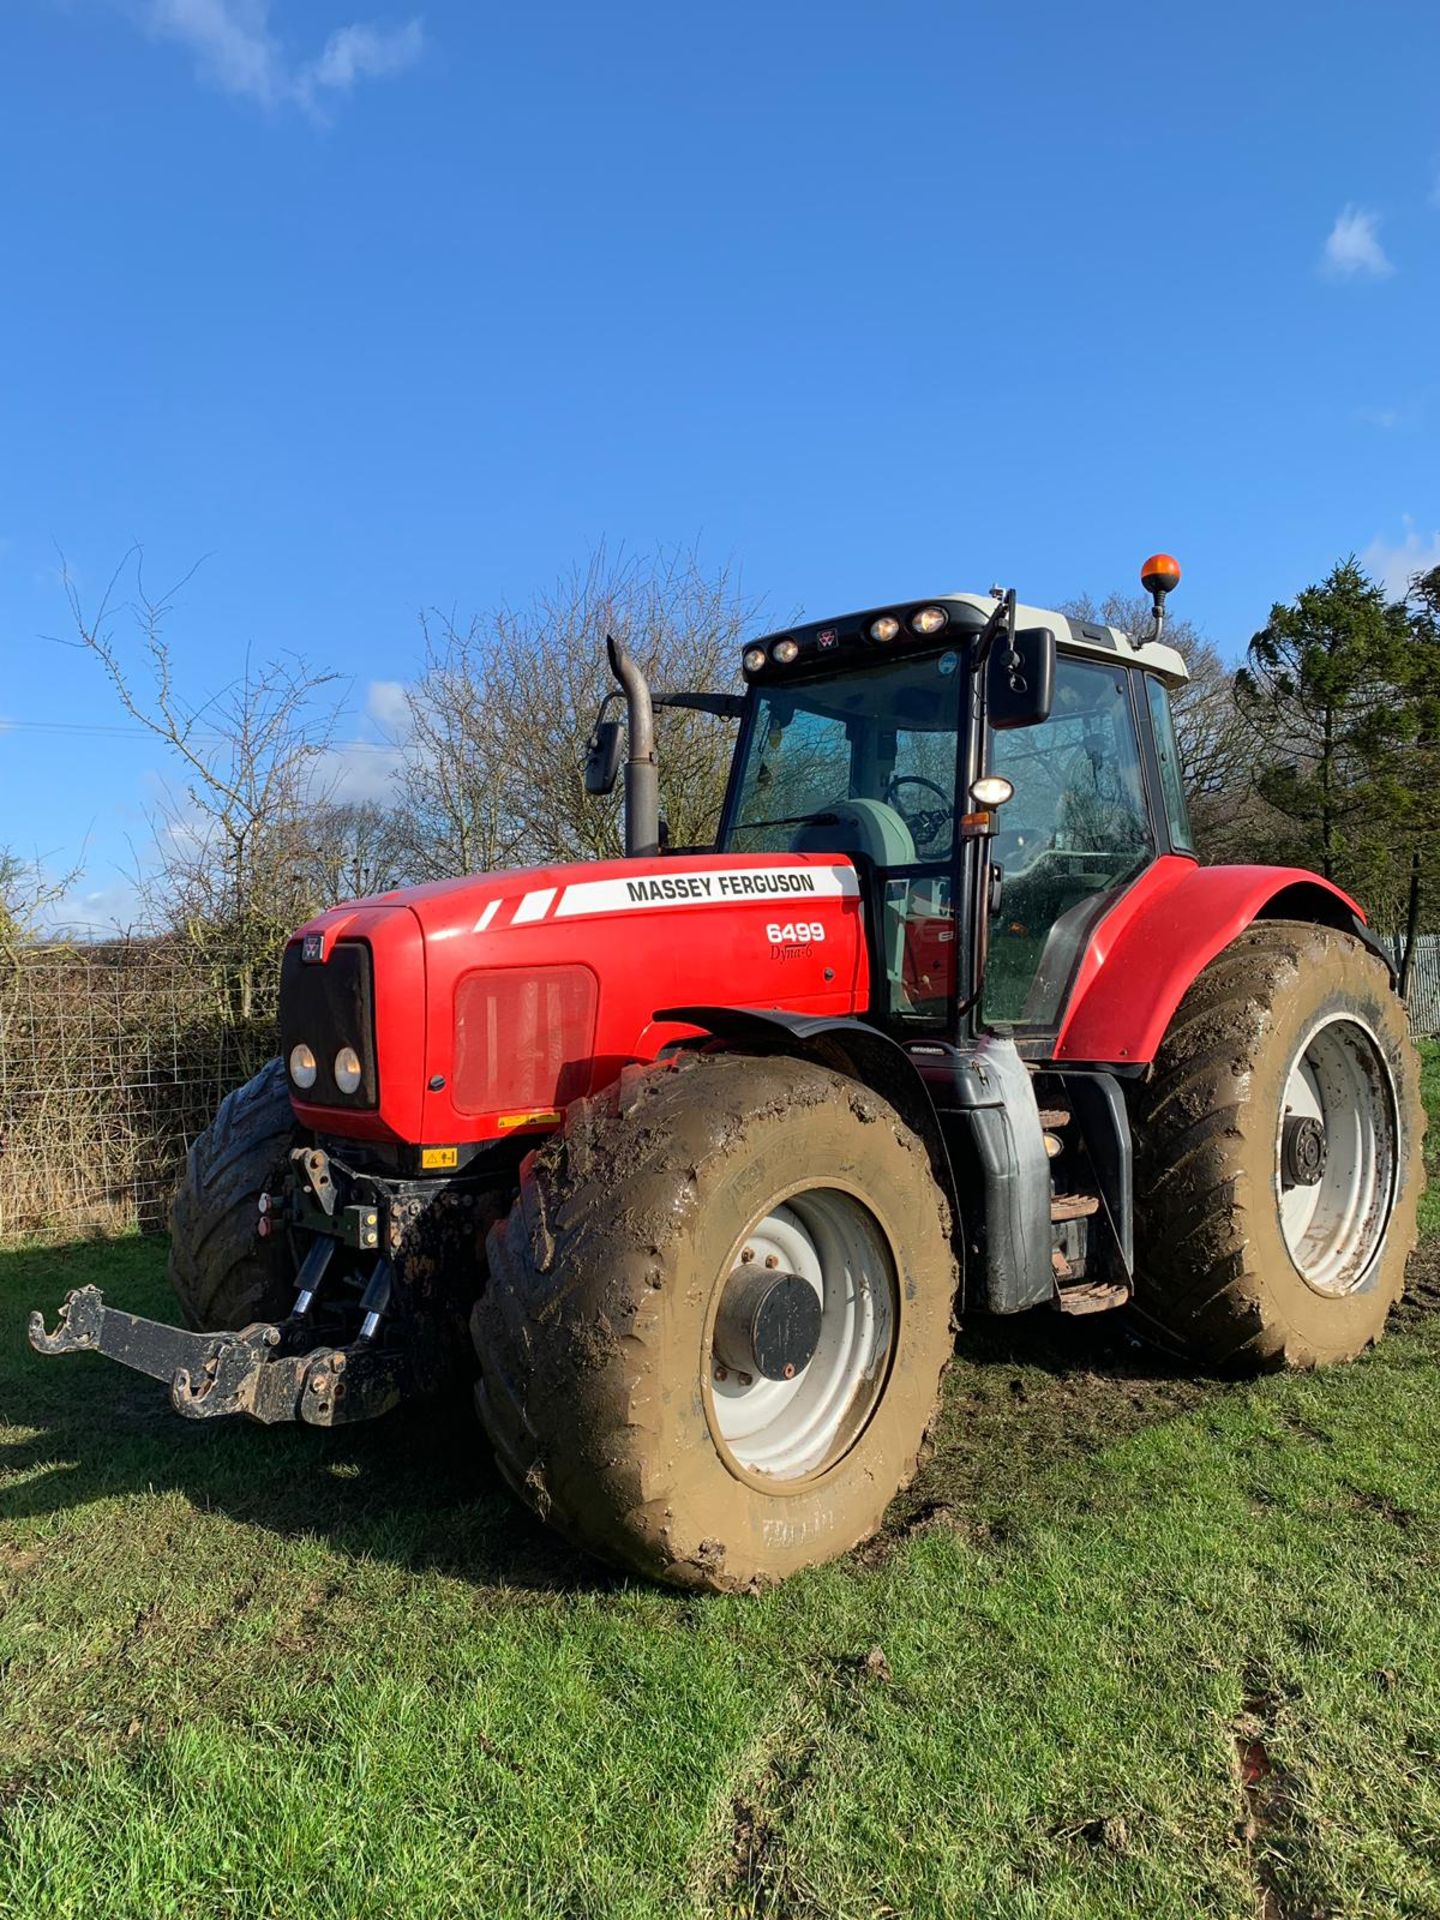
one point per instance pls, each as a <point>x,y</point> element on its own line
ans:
<point>535,1117</point>
<point>439,1156</point>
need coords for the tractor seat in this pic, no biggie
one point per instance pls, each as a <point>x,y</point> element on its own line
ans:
<point>866,827</point>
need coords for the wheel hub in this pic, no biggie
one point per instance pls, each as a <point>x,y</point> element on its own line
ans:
<point>768,1324</point>
<point>1304,1150</point>
<point>1336,1154</point>
<point>789,1382</point>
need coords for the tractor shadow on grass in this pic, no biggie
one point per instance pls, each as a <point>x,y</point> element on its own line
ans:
<point>419,1489</point>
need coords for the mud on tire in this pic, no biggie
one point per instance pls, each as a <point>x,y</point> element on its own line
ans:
<point>223,1274</point>
<point>594,1334</point>
<point>1215,1274</point>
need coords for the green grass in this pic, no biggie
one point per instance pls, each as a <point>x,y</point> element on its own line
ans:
<point>1153,1646</point>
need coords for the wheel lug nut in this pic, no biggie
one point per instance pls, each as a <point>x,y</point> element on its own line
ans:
<point>748,1254</point>
<point>772,1259</point>
<point>722,1373</point>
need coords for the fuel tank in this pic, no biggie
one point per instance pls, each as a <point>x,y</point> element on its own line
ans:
<point>479,1008</point>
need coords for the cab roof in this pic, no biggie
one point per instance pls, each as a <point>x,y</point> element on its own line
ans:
<point>1089,636</point>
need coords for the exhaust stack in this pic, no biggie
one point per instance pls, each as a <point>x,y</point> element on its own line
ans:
<point>642,770</point>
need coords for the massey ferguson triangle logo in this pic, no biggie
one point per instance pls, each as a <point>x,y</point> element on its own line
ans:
<point>313,948</point>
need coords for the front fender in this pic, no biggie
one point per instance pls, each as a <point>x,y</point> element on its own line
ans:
<point>1150,946</point>
<point>850,1047</point>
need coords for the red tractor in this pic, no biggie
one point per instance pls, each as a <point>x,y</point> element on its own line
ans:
<point>707,1150</point>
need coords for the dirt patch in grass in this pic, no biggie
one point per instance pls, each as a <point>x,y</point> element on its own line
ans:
<point>1267,1793</point>
<point>1026,1394</point>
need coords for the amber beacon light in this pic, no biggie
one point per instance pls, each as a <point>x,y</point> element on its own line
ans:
<point>1160,575</point>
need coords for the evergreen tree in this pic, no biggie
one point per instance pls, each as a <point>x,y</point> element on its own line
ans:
<point>1327,690</point>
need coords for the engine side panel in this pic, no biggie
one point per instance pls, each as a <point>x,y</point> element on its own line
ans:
<point>1150,946</point>
<point>764,931</point>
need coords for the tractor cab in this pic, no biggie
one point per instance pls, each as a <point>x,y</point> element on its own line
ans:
<point>999,775</point>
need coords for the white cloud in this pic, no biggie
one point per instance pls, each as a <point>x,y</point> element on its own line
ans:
<point>87,910</point>
<point>357,770</point>
<point>354,770</point>
<point>366,53</point>
<point>237,50</point>
<point>387,703</point>
<point>1394,566</point>
<point>1353,246</point>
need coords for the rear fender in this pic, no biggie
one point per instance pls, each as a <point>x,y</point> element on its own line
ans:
<point>1146,952</point>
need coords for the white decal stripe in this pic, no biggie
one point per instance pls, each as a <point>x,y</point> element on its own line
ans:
<point>491,908</point>
<point>715,887</point>
<point>533,907</point>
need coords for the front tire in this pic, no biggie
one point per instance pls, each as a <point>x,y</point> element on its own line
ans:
<point>223,1274</point>
<point>1278,1162</point>
<point>610,1384</point>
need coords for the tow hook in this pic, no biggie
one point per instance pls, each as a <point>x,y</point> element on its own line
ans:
<point>256,1371</point>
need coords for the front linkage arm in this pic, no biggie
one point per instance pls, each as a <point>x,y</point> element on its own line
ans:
<point>253,1372</point>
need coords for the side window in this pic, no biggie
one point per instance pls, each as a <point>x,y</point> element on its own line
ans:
<point>1076,830</point>
<point>1172,776</point>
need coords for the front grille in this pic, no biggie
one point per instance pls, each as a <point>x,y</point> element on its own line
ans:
<point>329,1005</point>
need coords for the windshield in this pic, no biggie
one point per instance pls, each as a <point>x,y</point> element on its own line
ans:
<point>863,763</point>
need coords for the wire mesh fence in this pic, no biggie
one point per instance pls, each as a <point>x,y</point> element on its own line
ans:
<point>113,1057</point>
<point>1422,1002</point>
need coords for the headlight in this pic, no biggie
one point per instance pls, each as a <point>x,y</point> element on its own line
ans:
<point>929,619</point>
<point>992,790</point>
<point>885,628</point>
<point>784,651</point>
<point>347,1070</point>
<point>303,1067</point>
<point>754,659</point>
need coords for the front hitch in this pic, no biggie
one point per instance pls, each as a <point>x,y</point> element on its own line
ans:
<point>255,1371</point>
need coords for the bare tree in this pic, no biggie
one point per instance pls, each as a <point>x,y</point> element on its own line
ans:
<point>27,892</point>
<point>357,848</point>
<point>502,709</point>
<point>230,860</point>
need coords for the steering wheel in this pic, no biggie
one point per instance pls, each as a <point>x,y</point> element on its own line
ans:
<point>925,823</point>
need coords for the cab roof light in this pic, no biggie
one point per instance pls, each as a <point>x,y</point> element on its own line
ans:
<point>784,651</point>
<point>928,620</point>
<point>884,629</point>
<point>755,658</point>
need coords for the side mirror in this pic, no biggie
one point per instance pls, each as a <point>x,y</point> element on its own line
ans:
<point>602,757</point>
<point>1021,685</point>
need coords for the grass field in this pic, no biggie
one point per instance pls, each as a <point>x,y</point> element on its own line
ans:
<point>1148,1645</point>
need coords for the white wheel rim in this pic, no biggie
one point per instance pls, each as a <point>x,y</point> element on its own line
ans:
<point>1339,1077</point>
<point>791,1429</point>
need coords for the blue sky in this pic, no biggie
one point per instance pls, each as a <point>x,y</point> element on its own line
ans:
<point>413,307</point>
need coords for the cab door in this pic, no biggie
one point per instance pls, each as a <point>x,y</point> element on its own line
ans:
<point>1073,836</point>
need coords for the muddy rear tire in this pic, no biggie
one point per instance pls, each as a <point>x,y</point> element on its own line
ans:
<point>600,1333</point>
<point>1257,1246</point>
<point>223,1274</point>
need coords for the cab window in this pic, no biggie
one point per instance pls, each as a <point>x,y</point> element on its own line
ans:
<point>1172,775</point>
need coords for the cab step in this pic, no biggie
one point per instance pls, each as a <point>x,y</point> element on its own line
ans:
<point>1093,1296</point>
<point>1073,1206</point>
